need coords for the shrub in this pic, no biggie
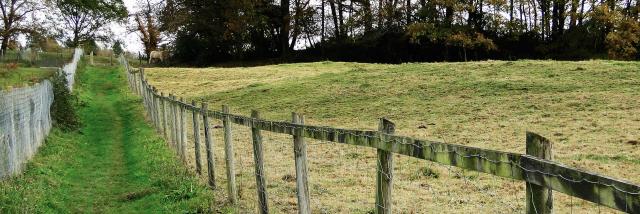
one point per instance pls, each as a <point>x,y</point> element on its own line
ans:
<point>63,110</point>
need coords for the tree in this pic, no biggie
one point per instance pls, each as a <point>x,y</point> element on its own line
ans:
<point>284,31</point>
<point>83,20</point>
<point>622,43</point>
<point>14,14</point>
<point>41,38</point>
<point>117,47</point>
<point>147,26</point>
<point>206,32</point>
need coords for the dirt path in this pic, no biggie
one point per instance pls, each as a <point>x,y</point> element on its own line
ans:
<point>115,164</point>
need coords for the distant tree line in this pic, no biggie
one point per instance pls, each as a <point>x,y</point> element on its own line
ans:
<point>49,24</point>
<point>206,32</point>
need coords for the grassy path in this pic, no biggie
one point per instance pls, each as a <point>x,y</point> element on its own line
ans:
<point>114,164</point>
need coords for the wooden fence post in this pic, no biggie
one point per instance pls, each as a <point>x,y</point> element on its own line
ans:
<point>196,137</point>
<point>228,152</point>
<point>300,153</point>
<point>259,164</point>
<point>176,110</point>
<point>169,103</point>
<point>141,74</point>
<point>137,82</point>
<point>144,97</point>
<point>91,59</point>
<point>164,115</point>
<point>385,171</point>
<point>151,105</point>
<point>539,199</point>
<point>183,131</point>
<point>156,100</point>
<point>179,130</point>
<point>174,130</point>
<point>154,109</point>
<point>208,137</point>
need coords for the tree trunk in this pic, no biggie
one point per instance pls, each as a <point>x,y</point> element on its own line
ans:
<point>284,32</point>
<point>523,19</point>
<point>76,38</point>
<point>544,22</point>
<point>555,19</point>
<point>573,14</point>
<point>368,17</point>
<point>581,15</point>
<point>5,42</point>
<point>562,16</point>
<point>296,23</point>
<point>408,10</point>
<point>448,16</point>
<point>322,28</point>
<point>341,18</point>
<point>332,5</point>
<point>351,15</point>
<point>535,14</point>
<point>510,13</point>
<point>380,15</point>
<point>527,17</point>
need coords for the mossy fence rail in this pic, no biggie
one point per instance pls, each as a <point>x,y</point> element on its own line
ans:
<point>541,174</point>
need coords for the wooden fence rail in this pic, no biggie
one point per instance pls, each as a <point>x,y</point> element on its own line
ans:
<point>541,174</point>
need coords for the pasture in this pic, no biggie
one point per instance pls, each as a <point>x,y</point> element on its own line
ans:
<point>20,76</point>
<point>588,109</point>
<point>18,69</point>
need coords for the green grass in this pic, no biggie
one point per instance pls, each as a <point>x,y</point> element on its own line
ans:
<point>43,59</point>
<point>23,76</point>
<point>589,109</point>
<point>114,164</point>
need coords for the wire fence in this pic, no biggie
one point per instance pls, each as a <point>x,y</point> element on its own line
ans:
<point>25,120</point>
<point>70,68</point>
<point>290,166</point>
<point>35,58</point>
<point>24,123</point>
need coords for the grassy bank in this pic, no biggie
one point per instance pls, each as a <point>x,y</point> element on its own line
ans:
<point>23,76</point>
<point>589,109</point>
<point>114,164</point>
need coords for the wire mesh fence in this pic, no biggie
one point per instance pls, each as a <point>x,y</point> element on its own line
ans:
<point>25,119</point>
<point>24,123</point>
<point>38,58</point>
<point>70,68</point>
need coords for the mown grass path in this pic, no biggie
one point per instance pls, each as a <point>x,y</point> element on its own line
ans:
<point>114,164</point>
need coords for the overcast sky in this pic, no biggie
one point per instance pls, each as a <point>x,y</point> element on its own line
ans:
<point>131,40</point>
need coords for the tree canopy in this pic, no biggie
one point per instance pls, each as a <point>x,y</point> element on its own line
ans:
<point>14,14</point>
<point>84,20</point>
<point>400,30</point>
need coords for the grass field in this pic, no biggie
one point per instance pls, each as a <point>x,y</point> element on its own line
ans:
<point>589,109</point>
<point>23,76</point>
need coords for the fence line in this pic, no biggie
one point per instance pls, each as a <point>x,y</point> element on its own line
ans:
<point>540,175</point>
<point>70,68</point>
<point>25,120</point>
<point>24,123</point>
